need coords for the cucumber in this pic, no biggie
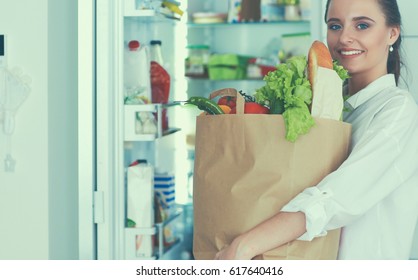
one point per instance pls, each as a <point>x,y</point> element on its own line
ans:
<point>206,104</point>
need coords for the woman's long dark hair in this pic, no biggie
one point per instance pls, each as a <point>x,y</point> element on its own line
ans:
<point>393,18</point>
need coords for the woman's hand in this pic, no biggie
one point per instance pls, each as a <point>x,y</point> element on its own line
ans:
<point>227,253</point>
<point>274,232</point>
<point>236,251</point>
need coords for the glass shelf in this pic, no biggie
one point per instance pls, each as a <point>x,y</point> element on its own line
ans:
<point>228,24</point>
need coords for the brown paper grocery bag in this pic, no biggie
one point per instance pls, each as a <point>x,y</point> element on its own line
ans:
<point>246,171</point>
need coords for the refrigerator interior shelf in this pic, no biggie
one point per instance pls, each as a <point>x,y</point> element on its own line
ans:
<point>139,13</point>
<point>228,24</point>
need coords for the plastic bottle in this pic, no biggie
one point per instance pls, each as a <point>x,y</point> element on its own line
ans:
<point>137,73</point>
<point>160,79</point>
<point>156,54</point>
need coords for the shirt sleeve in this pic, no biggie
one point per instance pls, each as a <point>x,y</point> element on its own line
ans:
<point>380,161</point>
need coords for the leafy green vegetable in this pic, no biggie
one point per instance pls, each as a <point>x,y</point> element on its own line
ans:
<point>343,73</point>
<point>298,121</point>
<point>287,91</point>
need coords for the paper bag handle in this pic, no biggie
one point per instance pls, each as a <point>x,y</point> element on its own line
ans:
<point>230,92</point>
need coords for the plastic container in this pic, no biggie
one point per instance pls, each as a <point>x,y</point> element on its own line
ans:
<point>272,11</point>
<point>292,13</point>
<point>197,61</point>
<point>137,81</point>
<point>296,43</point>
<point>227,67</point>
<point>206,18</point>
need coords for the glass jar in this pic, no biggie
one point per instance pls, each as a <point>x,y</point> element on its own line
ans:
<point>197,61</point>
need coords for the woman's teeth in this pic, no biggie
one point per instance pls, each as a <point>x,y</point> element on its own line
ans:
<point>350,52</point>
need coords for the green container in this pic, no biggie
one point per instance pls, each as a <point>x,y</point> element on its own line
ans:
<point>227,67</point>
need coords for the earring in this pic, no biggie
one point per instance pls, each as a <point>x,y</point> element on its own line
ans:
<point>391,49</point>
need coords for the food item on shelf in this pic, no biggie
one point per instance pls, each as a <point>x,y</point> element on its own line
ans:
<point>207,17</point>
<point>196,64</point>
<point>136,68</point>
<point>160,80</point>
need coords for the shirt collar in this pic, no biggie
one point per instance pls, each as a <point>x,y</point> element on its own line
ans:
<point>371,90</point>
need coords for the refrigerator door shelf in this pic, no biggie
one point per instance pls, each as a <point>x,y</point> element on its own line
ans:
<point>133,112</point>
<point>133,10</point>
<point>158,230</point>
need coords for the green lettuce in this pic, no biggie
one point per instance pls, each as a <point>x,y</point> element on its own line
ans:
<point>288,92</point>
<point>341,71</point>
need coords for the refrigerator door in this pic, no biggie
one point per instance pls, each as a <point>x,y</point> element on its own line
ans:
<point>107,26</point>
<point>86,128</point>
<point>100,129</point>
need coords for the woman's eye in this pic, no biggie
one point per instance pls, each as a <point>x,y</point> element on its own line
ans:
<point>334,27</point>
<point>362,26</point>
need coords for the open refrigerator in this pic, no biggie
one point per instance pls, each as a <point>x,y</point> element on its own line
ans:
<point>108,141</point>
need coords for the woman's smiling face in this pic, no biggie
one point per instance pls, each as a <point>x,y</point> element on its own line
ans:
<point>359,38</point>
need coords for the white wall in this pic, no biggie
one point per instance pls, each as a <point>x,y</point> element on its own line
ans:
<point>38,202</point>
<point>410,44</point>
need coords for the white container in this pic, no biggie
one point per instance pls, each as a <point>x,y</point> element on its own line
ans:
<point>305,9</point>
<point>292,13</point>
<point>137,78</point>
<point>272,11</point>
<point>140,204</point>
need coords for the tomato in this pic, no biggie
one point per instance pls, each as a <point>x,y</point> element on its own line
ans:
<point>252,108</point>
<point>229,101</point>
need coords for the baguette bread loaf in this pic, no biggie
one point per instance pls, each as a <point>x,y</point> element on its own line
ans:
<point>318,56</point>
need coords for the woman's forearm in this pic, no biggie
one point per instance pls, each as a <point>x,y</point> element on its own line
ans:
<point>276,231</point>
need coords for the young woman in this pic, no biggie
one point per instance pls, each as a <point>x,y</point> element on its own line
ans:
<point>373,196</point>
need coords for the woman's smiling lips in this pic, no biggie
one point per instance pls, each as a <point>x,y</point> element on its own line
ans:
<point>350,52</point>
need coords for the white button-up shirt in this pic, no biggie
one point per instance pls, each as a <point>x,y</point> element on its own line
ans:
<point>374,193</point>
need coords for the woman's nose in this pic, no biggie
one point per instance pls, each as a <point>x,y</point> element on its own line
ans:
<point>346,36</point>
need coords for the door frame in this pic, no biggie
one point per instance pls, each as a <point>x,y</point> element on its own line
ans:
<point>101,171</point>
